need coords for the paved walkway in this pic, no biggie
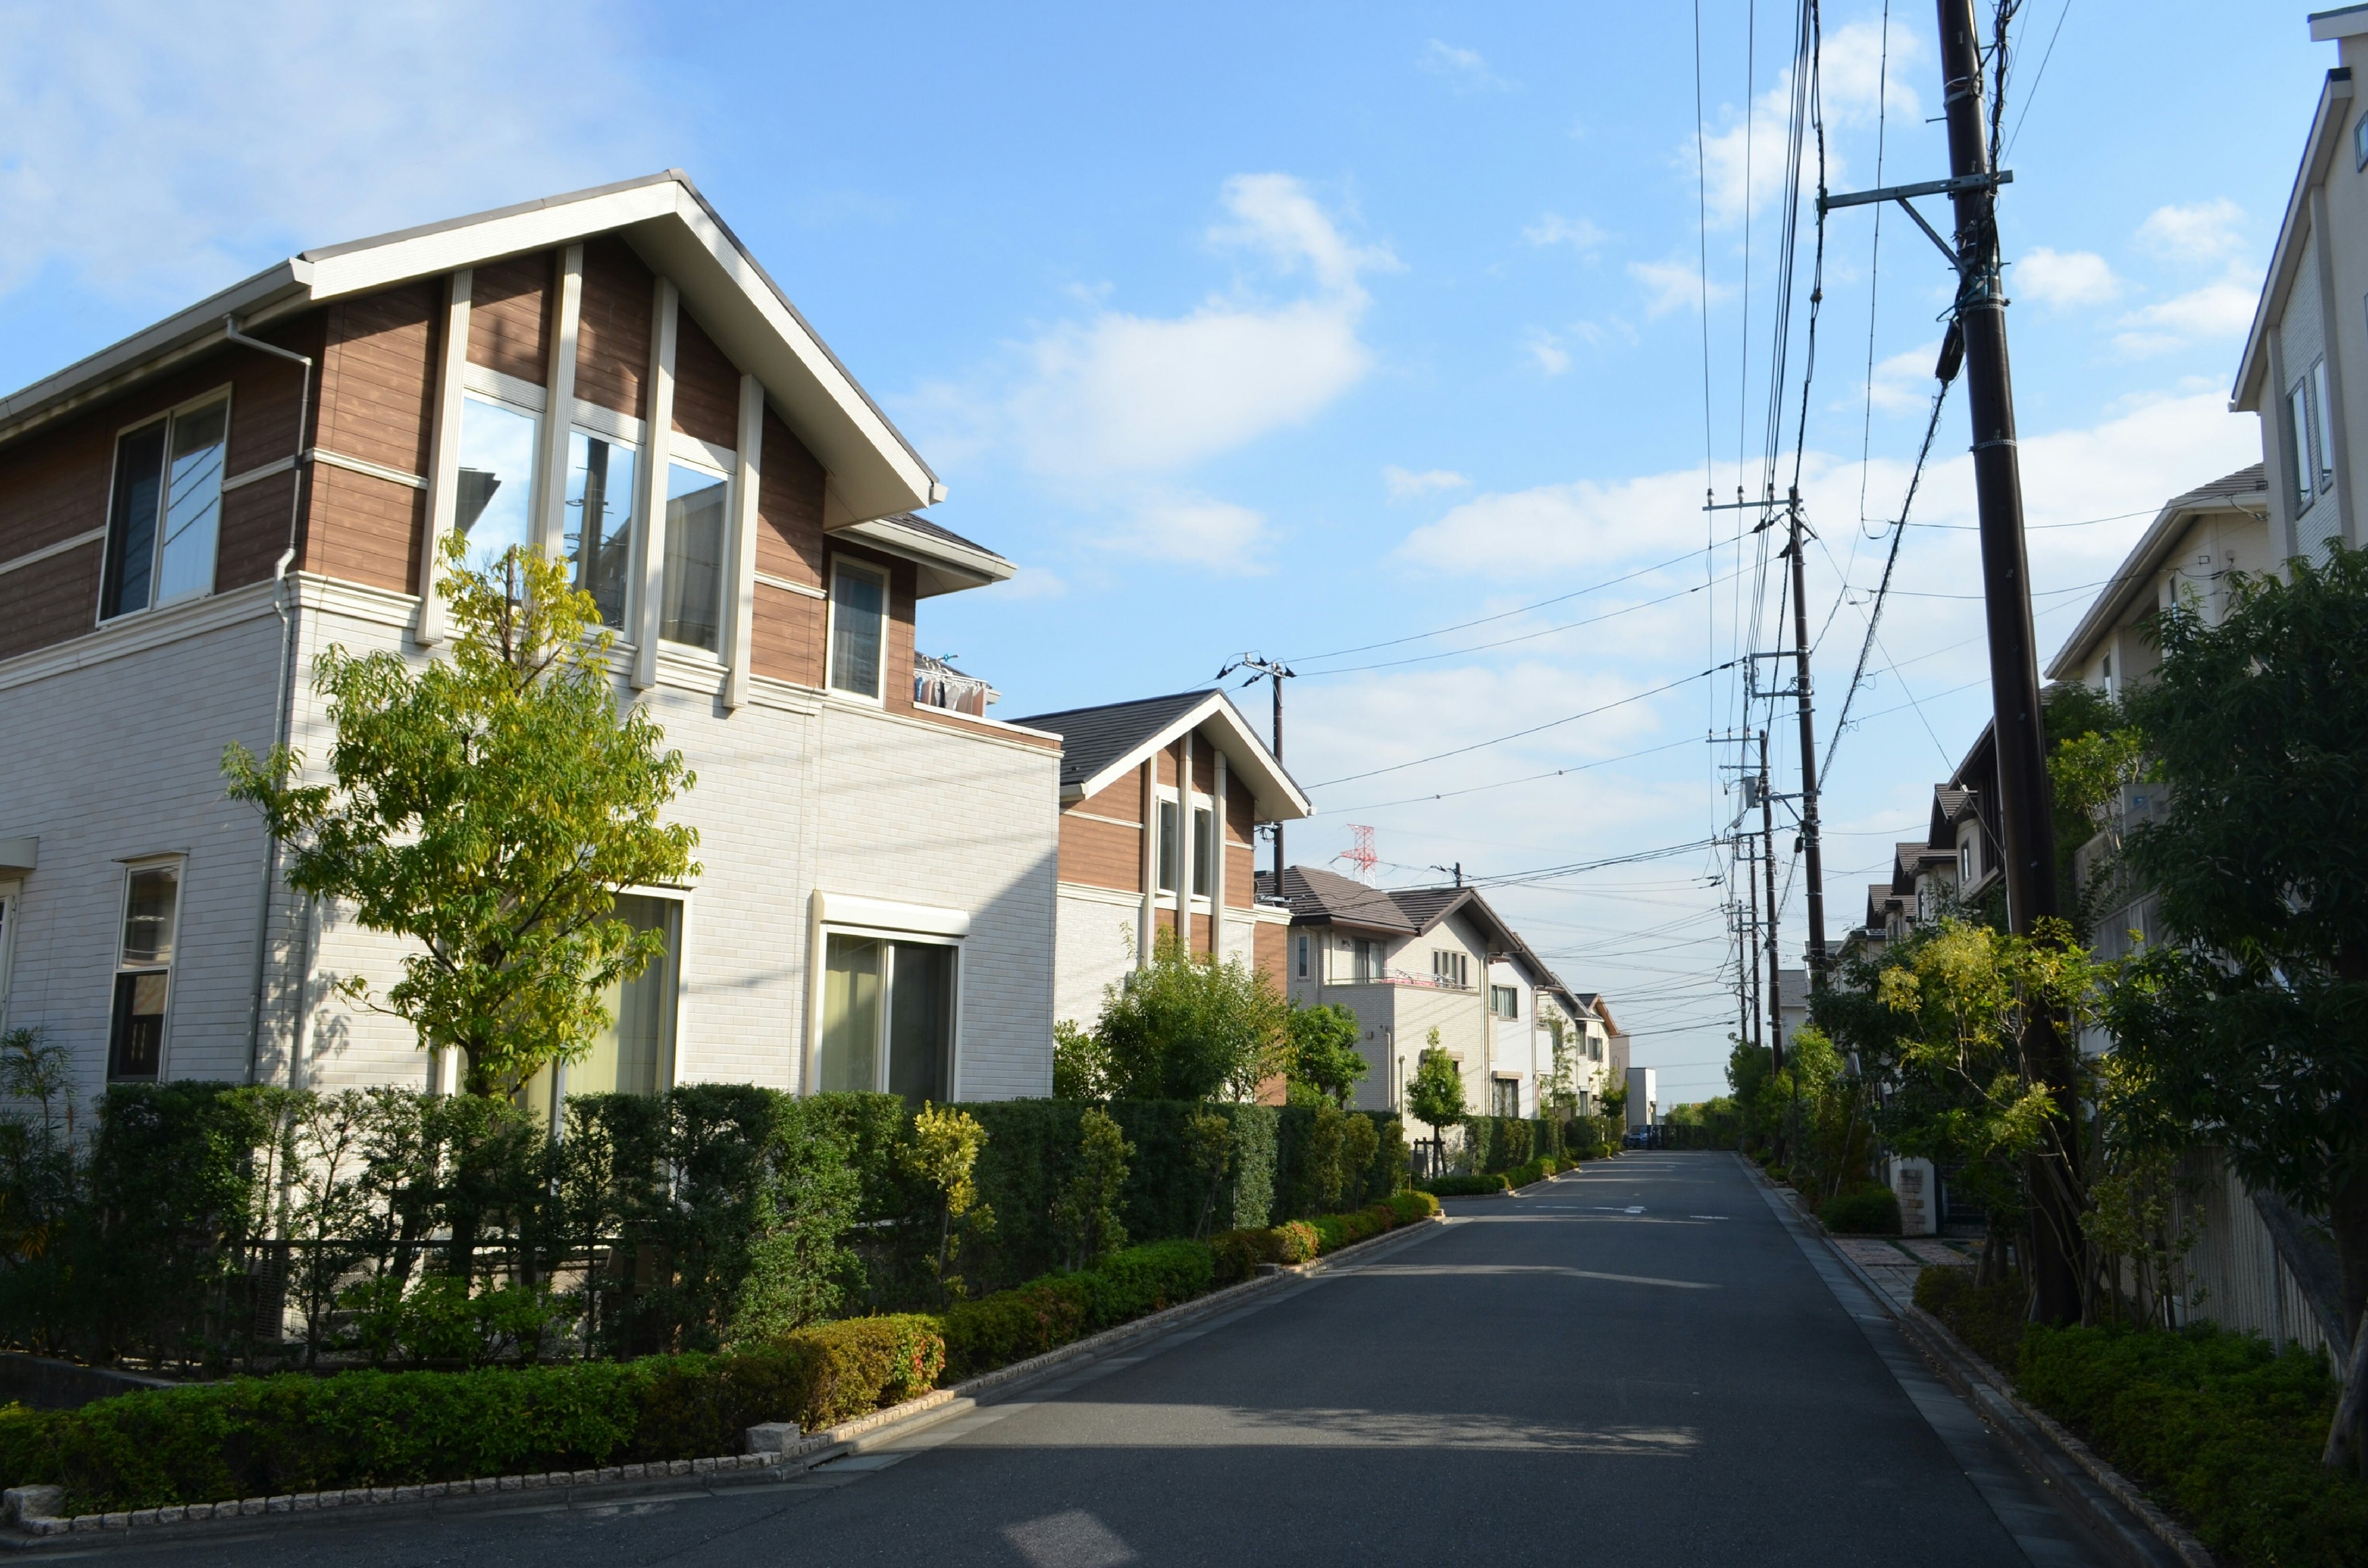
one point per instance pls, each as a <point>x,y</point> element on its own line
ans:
<point>1647,1360</point>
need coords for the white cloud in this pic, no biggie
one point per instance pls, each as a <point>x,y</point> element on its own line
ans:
<point>1404,485</point>
<point>1462,67</point>
<point>2197,232</point>
<point>1675,285</point>
<point>1555,230</point>
<point>156,151</point>
<point>1556,528</point>
<point>1122,394</point>
<point>1904,382</point>
<point>2218,310</point>
<point>1748,151</point>
<point>1546,352</point>
<point>1190,529</point>
<point>2064,277</point>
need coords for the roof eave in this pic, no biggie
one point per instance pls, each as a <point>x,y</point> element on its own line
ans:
<point>2104,612</point>
<point>946,567</point>
<point>2285,257</point>
<point>1271,784</point>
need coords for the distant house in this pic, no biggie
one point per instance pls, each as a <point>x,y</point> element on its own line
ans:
<point>189,517</point>
<point>1135,862</point>
<point>1409,961</point>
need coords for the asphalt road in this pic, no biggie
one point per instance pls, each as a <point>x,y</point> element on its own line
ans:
<point>1637,1363</point>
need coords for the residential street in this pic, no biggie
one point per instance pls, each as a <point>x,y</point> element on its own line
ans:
<point>1634,1363</point>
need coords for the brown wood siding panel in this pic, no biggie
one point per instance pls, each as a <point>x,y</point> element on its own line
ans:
<point>510,315</point>
<point>48,601</point>
<point>785,636</point>
<point>364,529</point>
<point>613,333</point>
<point>1123,799</point>
<point>377,375</point>
<point>1166,758</point>
<point>54,485</point>
<point>1268,946</point>
<point>706,387</point>
<point>1101,855</point>
<point>1241,811</point>
<point>1204,766</point>
<point>789,508</point>
<point>1241,869</point>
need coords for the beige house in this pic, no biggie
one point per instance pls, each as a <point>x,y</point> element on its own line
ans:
<point>188,517</point>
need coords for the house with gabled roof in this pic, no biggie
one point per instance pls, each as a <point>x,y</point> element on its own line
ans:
<point>1160,802</point>
<point>189,517</point>
<point>1409,961</point>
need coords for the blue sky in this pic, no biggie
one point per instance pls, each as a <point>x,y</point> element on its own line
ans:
<point>1305,329</point>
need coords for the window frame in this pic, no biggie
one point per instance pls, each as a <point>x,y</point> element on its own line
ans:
<point>130,867</point>
<point>2322,427</point>
<point>629,616</point>
<point>1451,969</point>
<point>825,928</point>
<point>1299,956</point>
<point>680,452</point>
<point>670,1070</point>
<point>223,394</point>
<point>1511,995</point>
<point>841,563</point>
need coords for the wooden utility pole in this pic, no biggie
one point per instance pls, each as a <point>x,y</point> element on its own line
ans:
<point>2019,731</point>
<point>1751,981</point>
<point>1276,673</point>
<point>1775,994</point>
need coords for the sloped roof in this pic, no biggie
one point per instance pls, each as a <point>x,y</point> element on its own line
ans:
<point>2146,557</point>
<point>872,472</point>
<point>1099,743</point>
<point>1315,895</point>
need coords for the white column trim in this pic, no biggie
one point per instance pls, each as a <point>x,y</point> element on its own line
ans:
<point>649,539</point>
<point>2332,331</point>
<point>1184,845</point>
<point>1217,864</point>
<point>742,606</point>
<point>559,398</point>
<point>1146,923</point>
<point>444,453</point>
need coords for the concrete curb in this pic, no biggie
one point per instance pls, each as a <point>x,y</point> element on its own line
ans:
<point>2113,1509</point>
<point>615,1482</point>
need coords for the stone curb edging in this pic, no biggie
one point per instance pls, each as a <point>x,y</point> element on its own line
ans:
<point>819,1448</point>
<point>2040,1440</point>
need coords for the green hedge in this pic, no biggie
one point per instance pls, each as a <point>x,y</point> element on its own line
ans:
<point>1466,1185</point>
<point>264,1437</point>
<point>2216,1425</point>
<point>1868,1211</point>
<point>1046,1313</point>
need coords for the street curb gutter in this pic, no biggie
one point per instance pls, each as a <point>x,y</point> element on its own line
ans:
<point>622,1483</point>
<point>2114,1512</point>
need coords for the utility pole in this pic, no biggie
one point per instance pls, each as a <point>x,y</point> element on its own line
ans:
<point>1751,887</point>
<point>1774,995</point>
<point>1276,672</point>
<point>2018,725</point>
<point>1815,867</point>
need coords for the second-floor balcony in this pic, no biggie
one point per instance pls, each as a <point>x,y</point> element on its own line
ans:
<point>937,684</point>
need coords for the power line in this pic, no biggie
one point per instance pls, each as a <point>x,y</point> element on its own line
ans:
<point>1507,783</point>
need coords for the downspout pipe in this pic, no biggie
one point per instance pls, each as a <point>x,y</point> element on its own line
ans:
<point>280,700</point>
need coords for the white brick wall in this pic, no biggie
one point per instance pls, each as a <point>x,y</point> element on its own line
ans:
<point>122,757</point>
<point>1096,948</point>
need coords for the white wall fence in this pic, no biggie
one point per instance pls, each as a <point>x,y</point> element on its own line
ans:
<point>2257,1267</point>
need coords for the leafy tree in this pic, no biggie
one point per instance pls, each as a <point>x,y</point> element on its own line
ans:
<point>1086,1214</point>
<point>488,808</point>
<point>2248,1032</point>
<point>1080,1065</point>
<point>1615,1106</point>
<point>1209,1152</point>
<point>1435,1092</point>
<point>1186,1027</point>
<point>943,1153</point>
<point>1323,1055</point>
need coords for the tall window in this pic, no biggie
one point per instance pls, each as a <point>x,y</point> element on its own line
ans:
<point>692,587</point>
<point>2298,438</point>
<point>2325,408</point>
<point>600,519</point>
<point>858,627</point>
<point>634,1054</point>
<point>1367,959</point>
<point>887,1016</point>
<point>1504,1097</point>
<point>165,517</point>
<point>493,501</point>
<point>1450,968</point>
<point>1302,956</point>
<point>1171,844</point>
<point>1204,852</point>
<point>144,970</point>
<point>1505,1001</point>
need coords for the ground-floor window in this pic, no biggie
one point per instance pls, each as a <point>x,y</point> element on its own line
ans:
<point>634,1054</point>
<point>888,1009</point>
<point>144,970</point>
<point>1504,1096</point>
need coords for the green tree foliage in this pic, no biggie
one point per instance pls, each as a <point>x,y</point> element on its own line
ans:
<point>487,807</point>
<point>943,1153</point>
<point>1085,1215</point>
<point>2092,752</point>
<point>2249,1033</point>
<point>1435,1092</point>
<point>1209,1151</point>
<point>1080,1065</point>
<point>1323,1060</point>
<point>1184,1026</point>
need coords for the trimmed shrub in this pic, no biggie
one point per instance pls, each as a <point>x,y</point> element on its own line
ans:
<point>1989,1318</point>
<point>861,1364</point>
<point>1413,1205</point>
<point>1867,1212</point>
<point>1296,1241</point>
<point>1465,1185</point>
<point>1044,1314</point>
<point>2216,1424</point>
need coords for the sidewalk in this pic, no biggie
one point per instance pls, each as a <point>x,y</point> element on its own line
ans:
<point>1893,1263</point>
